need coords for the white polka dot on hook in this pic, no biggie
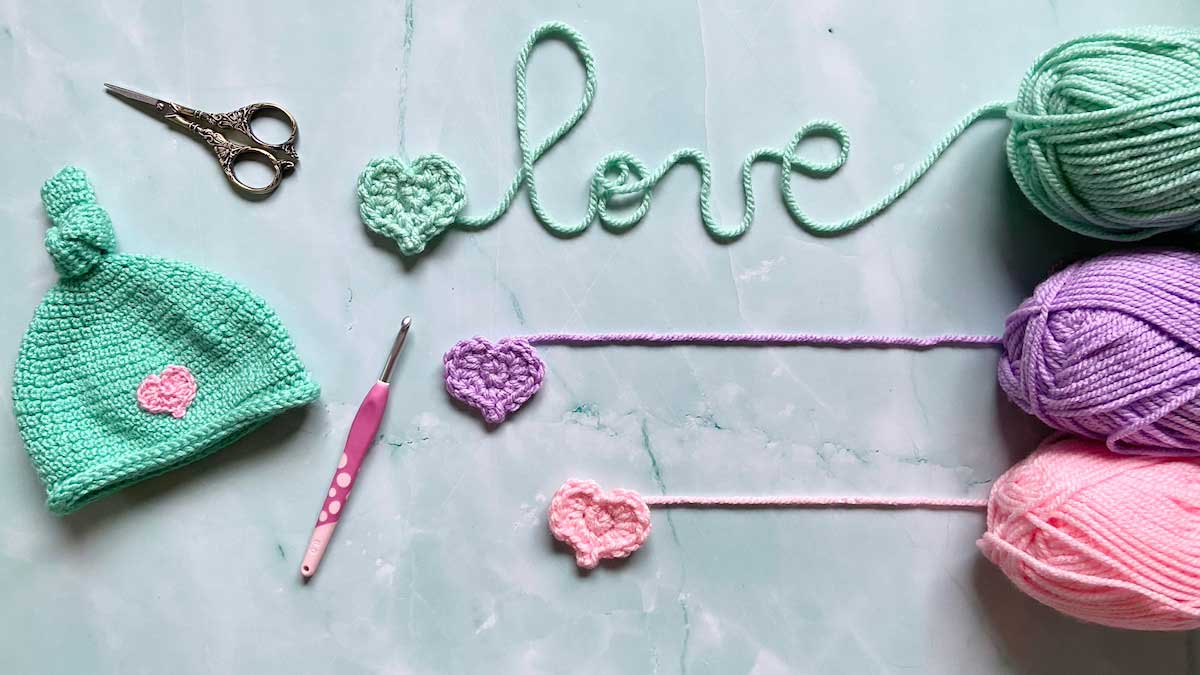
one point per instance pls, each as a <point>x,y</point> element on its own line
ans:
<point>343,460</point>
<point>332,492</point>
<point>324,516</point>
<point>343,479</point>
<point>334,507</point>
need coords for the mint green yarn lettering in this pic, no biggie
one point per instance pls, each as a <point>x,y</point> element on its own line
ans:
<point>1102,128</point>
<point>413,204</point>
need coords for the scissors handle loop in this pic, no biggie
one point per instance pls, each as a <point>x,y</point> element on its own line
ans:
<point>247,152</point>
<point>229,153</point>
<point>241,119</point>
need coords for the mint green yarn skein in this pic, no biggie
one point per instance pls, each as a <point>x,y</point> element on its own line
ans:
<point>1106,133</point>
<point>1105,137</point>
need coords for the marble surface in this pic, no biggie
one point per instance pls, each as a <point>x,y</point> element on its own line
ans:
<point>444,563</point>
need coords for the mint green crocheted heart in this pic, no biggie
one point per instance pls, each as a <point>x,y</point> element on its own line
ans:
<point>410,204</point>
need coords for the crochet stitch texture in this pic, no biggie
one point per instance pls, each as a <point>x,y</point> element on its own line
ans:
<point>598,524</point>
<point>111,321</point>
<point>496,379</point>
<point>410,204</point>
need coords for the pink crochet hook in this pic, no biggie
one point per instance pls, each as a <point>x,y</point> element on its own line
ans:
<point>362,433</point>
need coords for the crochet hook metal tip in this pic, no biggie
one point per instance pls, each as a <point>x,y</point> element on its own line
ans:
<point>386,374</point>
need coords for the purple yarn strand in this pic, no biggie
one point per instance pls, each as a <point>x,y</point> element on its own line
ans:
<point>498,378</point>
<point>768,339</point>
<point>1107,348</point>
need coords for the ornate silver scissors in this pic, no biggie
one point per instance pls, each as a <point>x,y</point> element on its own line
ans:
<point>282,157</point>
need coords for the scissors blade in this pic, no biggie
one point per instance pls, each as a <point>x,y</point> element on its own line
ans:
<point>133,95</point>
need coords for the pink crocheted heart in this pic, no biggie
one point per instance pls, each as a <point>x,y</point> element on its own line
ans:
<point>598,524</point>
<point>494,378</point>
<point>170,392</point>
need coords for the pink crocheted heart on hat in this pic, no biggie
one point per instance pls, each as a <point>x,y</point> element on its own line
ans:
<point>170,392</point>
<point>598,524</point>
<point>494,378</point>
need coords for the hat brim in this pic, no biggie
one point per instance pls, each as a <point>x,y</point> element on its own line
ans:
<point>106,478</point>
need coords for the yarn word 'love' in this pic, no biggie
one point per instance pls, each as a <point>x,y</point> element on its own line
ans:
<point>1104,129</point>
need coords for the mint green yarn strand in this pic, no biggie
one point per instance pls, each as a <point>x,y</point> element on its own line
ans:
<point>604,188</point>
<point>625,165</point>
<point>990,110</point>
<point>620,174</point>
<point>529,157</point>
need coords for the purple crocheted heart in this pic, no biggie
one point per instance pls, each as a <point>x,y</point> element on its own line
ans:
<point>494,378</point>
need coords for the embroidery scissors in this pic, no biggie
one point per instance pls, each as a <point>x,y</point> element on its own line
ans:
<point>281,157</point>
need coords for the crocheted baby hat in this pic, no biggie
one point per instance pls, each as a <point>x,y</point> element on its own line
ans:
<point>133,366</point>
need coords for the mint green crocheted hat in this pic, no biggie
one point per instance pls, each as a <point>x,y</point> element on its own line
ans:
<point>133,366</point>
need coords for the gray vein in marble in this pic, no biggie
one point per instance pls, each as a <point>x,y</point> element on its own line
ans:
<point>405,63</point>
<point>734,279</point>
<point>598,275</point>
<point>516,307</point>
<point>705,420</point>
<point>681,552</point>
<point>916,392</point>
<point>408,443</point>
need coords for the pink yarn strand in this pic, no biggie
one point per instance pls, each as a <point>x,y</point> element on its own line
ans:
<point>798,500</point>
<point>781,339</point>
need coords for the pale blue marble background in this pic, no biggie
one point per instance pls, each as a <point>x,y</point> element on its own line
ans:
<point>444,564</point>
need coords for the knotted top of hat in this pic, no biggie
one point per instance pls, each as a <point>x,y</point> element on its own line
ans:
<point>82,232</point>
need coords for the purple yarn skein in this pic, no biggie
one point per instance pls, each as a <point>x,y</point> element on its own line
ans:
<point>1109,348</point>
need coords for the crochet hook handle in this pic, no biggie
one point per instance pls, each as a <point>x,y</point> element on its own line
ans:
<point>358,442</point>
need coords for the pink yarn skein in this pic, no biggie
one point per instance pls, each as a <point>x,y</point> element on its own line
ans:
<point>1107,538</point>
